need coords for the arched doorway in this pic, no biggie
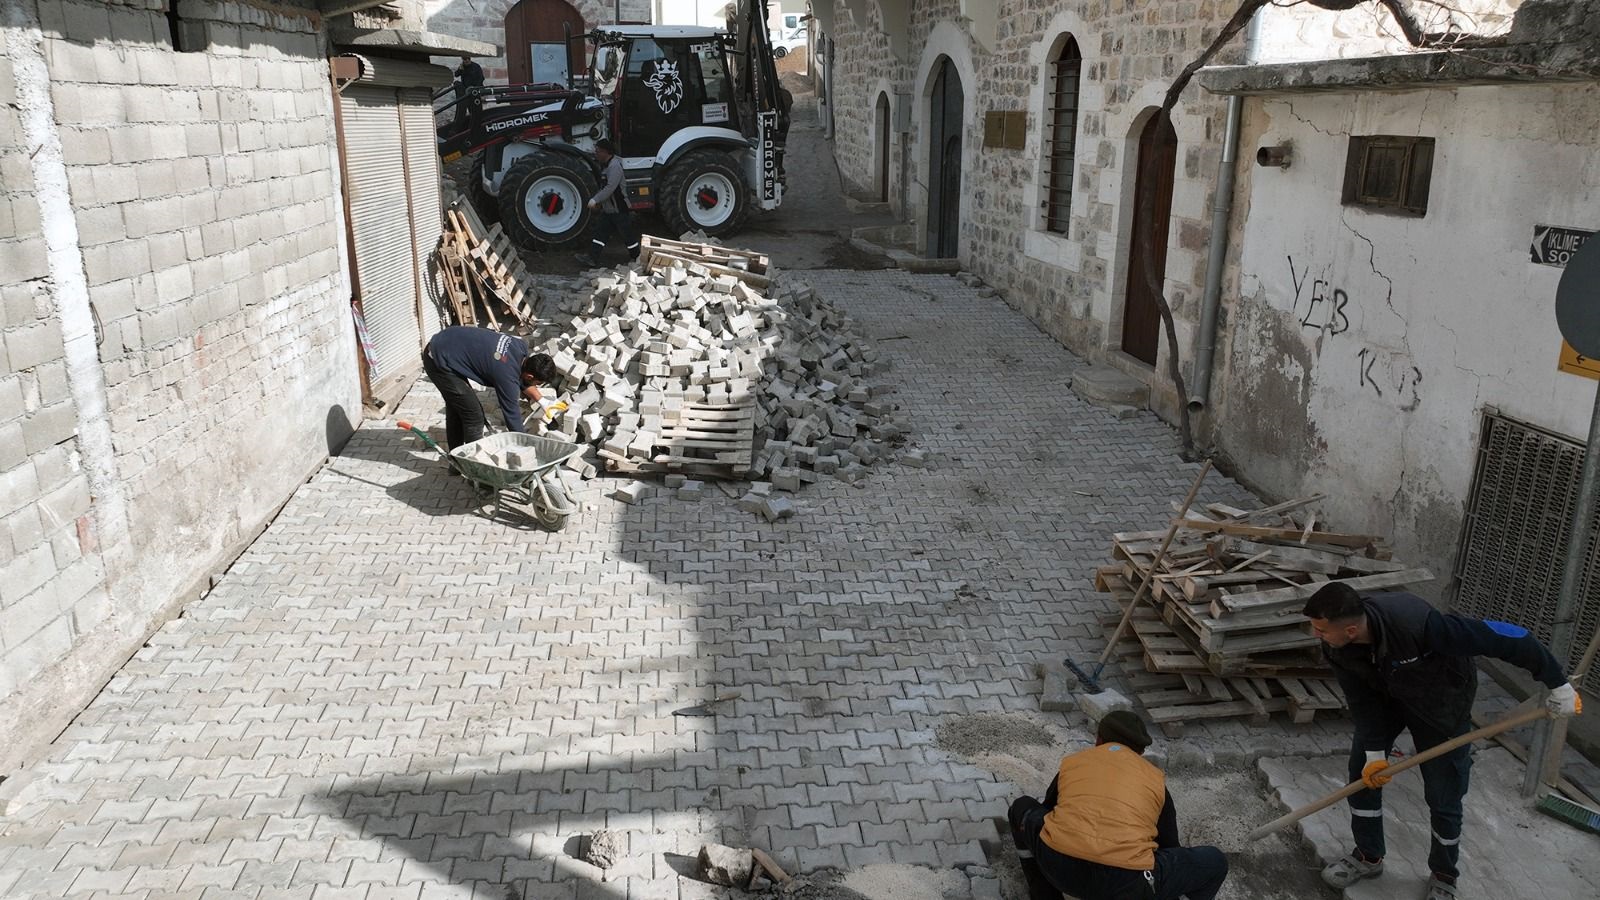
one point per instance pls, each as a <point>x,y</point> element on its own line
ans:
<point>944,162</point>
<point>1152,216</point>
<point>883,147</point>
<point>536,42</point>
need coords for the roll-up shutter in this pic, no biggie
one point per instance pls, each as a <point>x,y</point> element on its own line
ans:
<point>380,227</point>
<point>422,155</point>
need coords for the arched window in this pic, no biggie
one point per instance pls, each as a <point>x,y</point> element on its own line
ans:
<point>1061,149</point>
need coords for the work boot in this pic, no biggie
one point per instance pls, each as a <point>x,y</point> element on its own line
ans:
<point>1347,870</point>
<point>1441,887</point>
<point>587,261</point>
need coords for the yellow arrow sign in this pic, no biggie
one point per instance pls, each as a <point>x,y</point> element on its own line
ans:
<point>1575,363</point>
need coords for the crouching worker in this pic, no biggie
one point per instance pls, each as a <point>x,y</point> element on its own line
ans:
<point>462,354</point>
<point>1107,829</point>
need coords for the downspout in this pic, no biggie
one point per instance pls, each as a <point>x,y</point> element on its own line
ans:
<point>1205,350</point>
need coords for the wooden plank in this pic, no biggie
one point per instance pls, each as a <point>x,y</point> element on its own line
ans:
<point>1300,593</point>
<point>1178,714</point>
<point>1321,537</point>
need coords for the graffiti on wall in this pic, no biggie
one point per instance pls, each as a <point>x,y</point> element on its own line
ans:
<point>1323,308</point>
<point>1318,305</point>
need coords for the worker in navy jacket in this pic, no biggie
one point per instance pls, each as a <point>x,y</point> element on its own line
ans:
<point>1405,666</point>
<point>462,354</point>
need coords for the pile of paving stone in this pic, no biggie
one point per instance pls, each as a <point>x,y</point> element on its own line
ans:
<point>642,341</point>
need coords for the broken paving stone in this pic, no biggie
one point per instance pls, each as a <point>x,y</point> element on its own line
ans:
<point>916,459</point>
<point>691,490</point>
<point>604,848</point>
<point>630,493</point>
<point>775,508</point>
<point>728,866</point>
<point>675,480</point>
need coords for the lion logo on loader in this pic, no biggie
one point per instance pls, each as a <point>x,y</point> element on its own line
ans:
<point>667,84</point>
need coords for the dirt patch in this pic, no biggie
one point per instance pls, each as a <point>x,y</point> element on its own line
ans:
<point>898,882</point>
<point>823,886</point>
<point>1220,808</point>
<point>845,255</point>
<point>990,732</point>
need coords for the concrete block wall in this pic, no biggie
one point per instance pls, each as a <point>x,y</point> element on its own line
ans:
<point>51,581</point>
<point>1073,285</point>
<point>201,197</point>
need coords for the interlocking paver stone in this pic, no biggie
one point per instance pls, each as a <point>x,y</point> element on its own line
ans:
<point>389,695</point>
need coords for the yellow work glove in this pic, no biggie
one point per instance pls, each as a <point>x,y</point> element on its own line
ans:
<point>1372,773</point>
<point>552,409</point>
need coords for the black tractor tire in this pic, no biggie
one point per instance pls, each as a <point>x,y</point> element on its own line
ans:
<point>677,207</point>
<point>483,202</point>
<point>566,180</point>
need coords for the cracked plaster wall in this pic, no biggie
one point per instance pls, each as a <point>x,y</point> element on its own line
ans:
<point>1359,350</point>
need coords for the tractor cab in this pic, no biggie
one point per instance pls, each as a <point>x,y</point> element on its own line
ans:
<point>661,81</point>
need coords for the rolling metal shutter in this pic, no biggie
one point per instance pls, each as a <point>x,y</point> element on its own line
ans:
<point>422,156</point>
<point>1517,529</point>
<point>379,226</point>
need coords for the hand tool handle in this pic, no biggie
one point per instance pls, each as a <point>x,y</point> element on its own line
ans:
<point>422,434</point>
<point>1526,715</point>
<point>1150,576</point>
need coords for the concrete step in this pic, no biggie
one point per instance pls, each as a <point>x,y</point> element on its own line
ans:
<point>1107,387</point>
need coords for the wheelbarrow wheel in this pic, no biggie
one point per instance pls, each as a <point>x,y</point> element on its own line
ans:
<point>551,504</point>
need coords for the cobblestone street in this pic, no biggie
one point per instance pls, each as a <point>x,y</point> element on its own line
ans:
<point>390,696</point>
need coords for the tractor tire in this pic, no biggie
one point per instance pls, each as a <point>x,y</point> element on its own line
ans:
<point>483,202</point>
<point>704,191</point>
<point>543,200</point>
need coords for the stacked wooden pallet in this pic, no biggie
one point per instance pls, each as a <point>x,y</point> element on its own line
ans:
<point>716,440</point>
<point>484,279</point>
<point>661,254</point>
<point>1222,635</point>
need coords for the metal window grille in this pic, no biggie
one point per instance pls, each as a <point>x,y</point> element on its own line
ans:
<point>1063,136</point>
<point>1516,531</point>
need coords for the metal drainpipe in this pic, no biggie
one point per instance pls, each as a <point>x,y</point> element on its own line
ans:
<point>1205,350</point>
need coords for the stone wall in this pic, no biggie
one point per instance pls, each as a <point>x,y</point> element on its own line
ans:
<point>197,283</point>
<point>1073,285</point>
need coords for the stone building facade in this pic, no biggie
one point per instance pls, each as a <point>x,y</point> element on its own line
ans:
<point>179,354</point>
<point>1071,284</point>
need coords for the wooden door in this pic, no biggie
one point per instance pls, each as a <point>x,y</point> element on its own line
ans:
<point>1152,215</point>
<point>944,163</point>
<point>547,23</point>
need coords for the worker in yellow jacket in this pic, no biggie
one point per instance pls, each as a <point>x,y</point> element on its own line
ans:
<point>1107,829</point>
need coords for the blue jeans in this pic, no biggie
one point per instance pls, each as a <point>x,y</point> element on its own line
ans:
<point>1193,872</point>
<point>1444,783</point>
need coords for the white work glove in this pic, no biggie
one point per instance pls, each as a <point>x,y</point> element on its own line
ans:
<point>1563,702</point>
<point>1372,773</point>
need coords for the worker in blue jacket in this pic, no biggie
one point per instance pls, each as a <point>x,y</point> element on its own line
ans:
<point>1405,666</point>
<point>497,361</point>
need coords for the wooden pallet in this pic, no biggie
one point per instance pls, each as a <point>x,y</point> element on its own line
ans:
<point>714,254</point>
<point>1175,688</point>
<point>714,439</point>
<point>485,280</point>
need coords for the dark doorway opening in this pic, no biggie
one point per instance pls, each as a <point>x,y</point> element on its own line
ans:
<point>1152,215</point>
<point>944,162</point>
<point>883,148</point>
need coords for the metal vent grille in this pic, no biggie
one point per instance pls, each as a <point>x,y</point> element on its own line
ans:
<point>1516,531</point>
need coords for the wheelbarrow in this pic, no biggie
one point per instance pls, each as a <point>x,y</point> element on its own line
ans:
<point>538,486</point>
